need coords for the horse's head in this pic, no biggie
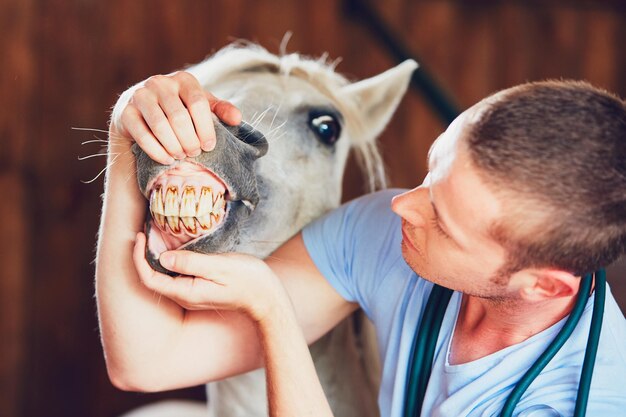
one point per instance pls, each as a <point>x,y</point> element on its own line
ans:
<point>281,168</point>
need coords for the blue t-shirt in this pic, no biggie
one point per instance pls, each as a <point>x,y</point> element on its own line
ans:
<point>357,248</point>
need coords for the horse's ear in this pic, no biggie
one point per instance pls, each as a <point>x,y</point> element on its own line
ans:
<point>378,97</point>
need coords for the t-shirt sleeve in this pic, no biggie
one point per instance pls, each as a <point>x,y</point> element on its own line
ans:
<point>355,245</point>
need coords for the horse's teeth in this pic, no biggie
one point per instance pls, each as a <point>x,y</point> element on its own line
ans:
<point>189,223</point>
<point>188,204</point>
<point>171,203</point>
<point>156,201</point>
<point>160,220</point>
<point>219,204</point>
<point>205,221</point>
<point>205,202</point>
<point>172,209</point>
<point>173,222</point>
<point>167,209</point>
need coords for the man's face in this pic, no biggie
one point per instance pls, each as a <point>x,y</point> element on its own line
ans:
<point>446,220</point>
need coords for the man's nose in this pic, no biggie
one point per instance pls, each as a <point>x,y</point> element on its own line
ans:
<point>412,205</point>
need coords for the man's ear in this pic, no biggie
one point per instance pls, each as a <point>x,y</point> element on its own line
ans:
<point>544,284</point>
<point>378,97</point>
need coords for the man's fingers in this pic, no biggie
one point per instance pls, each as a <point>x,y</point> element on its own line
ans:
<point>225,110</point>
<point>139,257</point>
<point>162,92</point>
<point>172,114</point>
<point>141,133</point>
<point>187,263</point>
<point>147,103</point>
<point>198,106</point>
<point>181,122</point>
<point>188,292</point>
<point>206,281</point>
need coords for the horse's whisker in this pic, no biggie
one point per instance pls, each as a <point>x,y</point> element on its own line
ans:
<point>112,137</point>
<point>82,158</point>
<point>89,129</point>
<point>276,138</point>
<point>109,165</point>
<point>261,116</point>
<point>275,114</point>
<point>274,130</point>
<point>94,141</point>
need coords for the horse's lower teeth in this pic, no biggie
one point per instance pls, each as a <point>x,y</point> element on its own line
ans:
<point>173,223</point>
<point>205,221</point>
<point>190,224</point>
<point>160,219</point>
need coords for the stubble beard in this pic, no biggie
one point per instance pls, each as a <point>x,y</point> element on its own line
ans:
<point>416,261</point>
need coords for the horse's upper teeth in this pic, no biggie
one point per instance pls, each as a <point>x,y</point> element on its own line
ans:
<point>171,202</point>
<point>205,202</point>
<point>188,203</point>
<point>218,203</point>
<point>156,201</point>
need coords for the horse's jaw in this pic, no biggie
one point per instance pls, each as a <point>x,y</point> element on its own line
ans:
<point>195,204</point>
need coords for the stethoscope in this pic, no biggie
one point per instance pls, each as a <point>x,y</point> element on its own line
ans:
<point>425,340</point>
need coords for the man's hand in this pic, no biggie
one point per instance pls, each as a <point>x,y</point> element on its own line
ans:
<point>214,282</point>
<point>169,117</point>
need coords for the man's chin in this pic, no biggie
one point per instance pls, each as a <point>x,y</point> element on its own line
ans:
<point>421,268</point>
<point>413,263</point>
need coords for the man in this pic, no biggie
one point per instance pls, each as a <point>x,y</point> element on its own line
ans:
<point>526,192</point>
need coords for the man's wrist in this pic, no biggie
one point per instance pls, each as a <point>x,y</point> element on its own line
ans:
<point>278,309</point>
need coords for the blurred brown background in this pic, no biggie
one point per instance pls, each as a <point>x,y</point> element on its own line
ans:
<point>65,61</point>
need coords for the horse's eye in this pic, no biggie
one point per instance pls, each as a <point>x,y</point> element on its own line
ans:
<point>326,128</point>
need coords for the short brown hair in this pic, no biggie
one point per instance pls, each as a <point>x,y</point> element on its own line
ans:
<point>558,148</point>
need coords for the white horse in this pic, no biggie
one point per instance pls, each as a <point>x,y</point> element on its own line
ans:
<point>263,182</point>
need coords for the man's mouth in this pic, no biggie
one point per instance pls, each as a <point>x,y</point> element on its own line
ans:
<point>407,240</point>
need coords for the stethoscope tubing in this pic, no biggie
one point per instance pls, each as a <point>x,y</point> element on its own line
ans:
<point>423,348</point>
<point>584,386</point>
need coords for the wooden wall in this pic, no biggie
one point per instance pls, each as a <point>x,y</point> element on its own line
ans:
<point>65,61</point>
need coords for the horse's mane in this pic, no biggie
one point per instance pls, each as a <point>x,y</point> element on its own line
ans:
<point>320,72</point>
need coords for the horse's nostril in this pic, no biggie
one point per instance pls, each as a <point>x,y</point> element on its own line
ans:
<point>248,134</point>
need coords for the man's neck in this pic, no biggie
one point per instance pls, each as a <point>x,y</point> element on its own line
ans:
<point>486,326</point>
